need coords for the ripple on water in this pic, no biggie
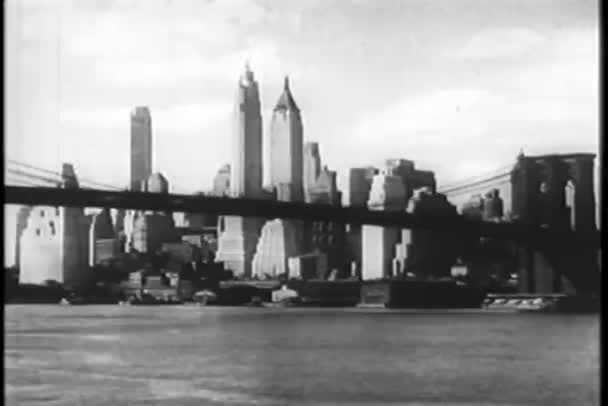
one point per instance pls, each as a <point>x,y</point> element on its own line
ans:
<point>102,359</point>
<point>100,337</point>
<point>15,389</point>
<point>172,389</point>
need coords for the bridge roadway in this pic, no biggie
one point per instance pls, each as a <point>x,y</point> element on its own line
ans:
<point>45,196</point>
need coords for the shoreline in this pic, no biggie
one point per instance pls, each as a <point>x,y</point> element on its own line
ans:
<point>312,309</point>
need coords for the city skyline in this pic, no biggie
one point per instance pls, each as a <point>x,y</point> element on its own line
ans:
<point>310,201</point>
<point>459,104</point>
<point>501,81</point>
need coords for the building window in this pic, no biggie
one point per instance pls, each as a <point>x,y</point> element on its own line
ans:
<point>41,213</point>
<point>37,231</point>
<point>52,227</point>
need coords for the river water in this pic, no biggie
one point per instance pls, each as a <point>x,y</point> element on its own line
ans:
<point>179,355</point>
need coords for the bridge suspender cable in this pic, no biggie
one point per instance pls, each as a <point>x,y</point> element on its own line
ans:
<point>497,173</point>
<point>59,175</point>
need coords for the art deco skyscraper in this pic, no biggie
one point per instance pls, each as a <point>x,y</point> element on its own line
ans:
<point>239,235</point>
<point>280,238</point>
<point>141,146</point>
<point>246,167</point>
<point>286,148</point>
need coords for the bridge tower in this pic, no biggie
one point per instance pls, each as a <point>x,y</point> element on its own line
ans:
<point>540,185</point>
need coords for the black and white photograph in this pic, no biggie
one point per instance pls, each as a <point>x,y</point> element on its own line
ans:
<point>302,202</point>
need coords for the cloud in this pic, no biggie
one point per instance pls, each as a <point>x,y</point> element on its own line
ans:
<point>500,43</point>
<point>181,69</point>
<point>556,99</point>
<point>181,117</point>
<point>443,110</point>
<point>194,117</point>
<point>162,42</point>
<point>95,117</point>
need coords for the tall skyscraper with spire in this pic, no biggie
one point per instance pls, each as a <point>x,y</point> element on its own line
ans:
<point>141,146</point>
<point>286,148</point>
<point>281,238</point>
<point>246,168</point>
<point>239,235</point>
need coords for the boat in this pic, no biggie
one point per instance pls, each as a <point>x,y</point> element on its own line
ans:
<point>74,300</point>
<point>205,297</point>
<point>537,305</point>
<point>542,303</point>
<point>288,302</point>
<point>256,301</point>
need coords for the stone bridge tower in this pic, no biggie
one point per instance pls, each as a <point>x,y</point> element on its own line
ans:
<point>555,192</point>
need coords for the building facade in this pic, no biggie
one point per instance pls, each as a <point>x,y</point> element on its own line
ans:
<point>103,241</point>
<point>238,236</point>
<point>311,166</point>
<point>378,242</point>
<point>286,147</point>
<point>22,216</point>
<point>156,183</point>
<point>54,244</point>
<point>141,146</point>
<point>221,182</point>
<point>360,183</point>
<point>277,243</point>
<point>327,237</point>
<point>151,230</point>
<point>411,177</point>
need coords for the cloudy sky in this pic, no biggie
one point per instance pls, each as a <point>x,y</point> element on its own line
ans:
<point>457,86</point>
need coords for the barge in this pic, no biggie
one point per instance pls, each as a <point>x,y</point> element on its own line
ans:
<point>419,294</point>
<point>543,303</point>
<point>390,293</point>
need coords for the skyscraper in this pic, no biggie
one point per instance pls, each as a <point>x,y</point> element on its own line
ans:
<point>312,167</point>
<point>281,239</point>
<point>238,236</point>
<point>286,146</point>
<point>141,146</point>
<point>246,167</point>
<point>221,181</point>
<point>378,242</point>
<point>360,185</point>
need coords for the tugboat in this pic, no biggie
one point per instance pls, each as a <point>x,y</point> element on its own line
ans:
<point>205,297</point>
<point>284,297</point>
<point>72,299</point>
<point>256,301</point>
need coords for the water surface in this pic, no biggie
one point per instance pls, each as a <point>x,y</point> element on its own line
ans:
<point>178,355</point>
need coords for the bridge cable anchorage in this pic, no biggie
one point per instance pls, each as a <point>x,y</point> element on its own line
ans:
<point>61,176</point>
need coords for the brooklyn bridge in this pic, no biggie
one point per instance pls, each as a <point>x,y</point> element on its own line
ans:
<point>550,199</point>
